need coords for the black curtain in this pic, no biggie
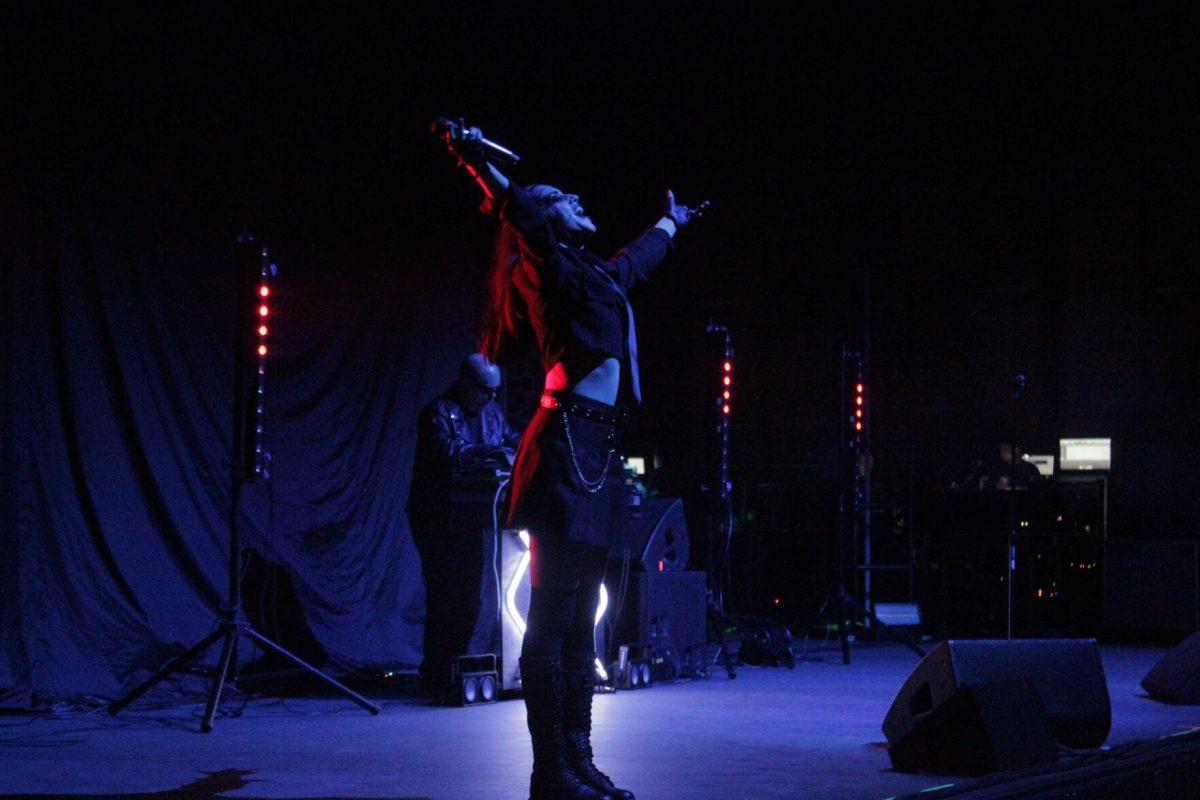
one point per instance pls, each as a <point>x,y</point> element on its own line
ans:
<point>117,388</point>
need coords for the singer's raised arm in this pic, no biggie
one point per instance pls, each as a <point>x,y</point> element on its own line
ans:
<point>467,145</point>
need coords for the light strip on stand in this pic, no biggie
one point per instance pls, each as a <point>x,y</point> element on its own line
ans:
<point>600,609</point>
<point>510,596</point>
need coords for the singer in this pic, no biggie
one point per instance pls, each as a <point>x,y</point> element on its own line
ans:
<point>567,485</point>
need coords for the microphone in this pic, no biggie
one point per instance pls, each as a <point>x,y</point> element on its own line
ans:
<point>453,130</point>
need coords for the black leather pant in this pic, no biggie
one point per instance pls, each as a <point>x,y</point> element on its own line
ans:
<point>566,578</point>
<point>451,547</point>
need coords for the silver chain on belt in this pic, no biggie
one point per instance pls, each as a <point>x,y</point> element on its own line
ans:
<point>591,487</point>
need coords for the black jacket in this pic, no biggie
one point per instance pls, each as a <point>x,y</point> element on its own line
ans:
<point>579,317</point>
<point>447,451</point>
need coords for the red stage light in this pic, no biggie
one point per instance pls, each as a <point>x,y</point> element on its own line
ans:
<point>858,400</point>
<point>858,388</point>
<point>726,394</point>
<point>858,413</point>
<point>264,290</point>
<point>858,426</point>
<point>729,366</point>
<point>262,349</point>
<point>728,381</point>
<point>726,408</point>
<point>262,330</point>
<point>263,311</point>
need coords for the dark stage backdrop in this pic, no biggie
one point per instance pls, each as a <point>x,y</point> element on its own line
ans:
<point>117,433</point>
<point>1021,181</point>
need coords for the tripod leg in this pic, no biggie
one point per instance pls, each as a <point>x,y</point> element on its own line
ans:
<point>214,694</point>
<point>725,659</point>
<point>730,664</point>
<point>349,693</point>
<point>177,663</point>
<point>844,629</point>
<point>231,678</point>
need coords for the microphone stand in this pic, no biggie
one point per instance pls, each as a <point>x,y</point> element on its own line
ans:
<point>1017,385</point>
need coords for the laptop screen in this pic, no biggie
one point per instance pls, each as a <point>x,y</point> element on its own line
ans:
<point>1045,464</point>
<point>1084,454</point>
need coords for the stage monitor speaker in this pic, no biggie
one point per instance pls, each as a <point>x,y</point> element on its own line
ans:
<point>980,728</point>
<point>658,534</point>
<point>1067,673</point>
<point>1176,676</point>
<point>1170,602</point>
<point>663,607</point>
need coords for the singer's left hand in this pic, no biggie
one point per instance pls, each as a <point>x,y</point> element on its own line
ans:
<point>681,215</point>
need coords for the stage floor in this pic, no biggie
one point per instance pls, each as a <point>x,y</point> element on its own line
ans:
<point>771,733</point>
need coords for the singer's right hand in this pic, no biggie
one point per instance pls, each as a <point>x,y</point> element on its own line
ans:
<point>467,145</point>
<point>471,149</point>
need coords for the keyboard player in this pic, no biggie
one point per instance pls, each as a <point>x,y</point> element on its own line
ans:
<point>464,446</point>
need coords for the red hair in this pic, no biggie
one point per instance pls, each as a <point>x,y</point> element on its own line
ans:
<point>505,312</point>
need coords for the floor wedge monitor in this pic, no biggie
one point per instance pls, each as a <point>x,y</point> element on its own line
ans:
<point>1065,673</point>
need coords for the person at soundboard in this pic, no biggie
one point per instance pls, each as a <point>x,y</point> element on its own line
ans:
<point>568,487</point>
<point>464,446</point>
<point>1007,469</point>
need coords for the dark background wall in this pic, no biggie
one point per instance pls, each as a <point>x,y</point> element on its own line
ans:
<point>1021,180</point>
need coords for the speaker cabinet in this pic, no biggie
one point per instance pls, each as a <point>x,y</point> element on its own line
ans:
<point>980,728</point>
<point>1176,676</point>
<point>658,534</point>
<point>663,607</point>
<point>1066,673</point>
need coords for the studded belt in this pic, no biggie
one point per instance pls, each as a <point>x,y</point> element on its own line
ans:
<point>569,404</point>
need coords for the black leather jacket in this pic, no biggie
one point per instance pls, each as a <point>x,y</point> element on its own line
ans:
<point>447,451</point>
<point>578,315</point>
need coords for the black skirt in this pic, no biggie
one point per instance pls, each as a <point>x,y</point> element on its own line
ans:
<point>568,481</point>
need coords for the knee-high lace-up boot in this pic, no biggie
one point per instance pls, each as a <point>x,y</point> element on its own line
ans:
<point>577,730</point>
<point>553,778</point>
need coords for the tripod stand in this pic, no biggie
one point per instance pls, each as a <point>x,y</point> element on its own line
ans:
<point>248,460</point>
<point>857,506</point>
<point>719,566</point>
<point>731,627</point>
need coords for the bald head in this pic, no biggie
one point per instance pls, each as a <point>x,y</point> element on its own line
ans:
<point>476,367</point>
<point>478,380</point>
